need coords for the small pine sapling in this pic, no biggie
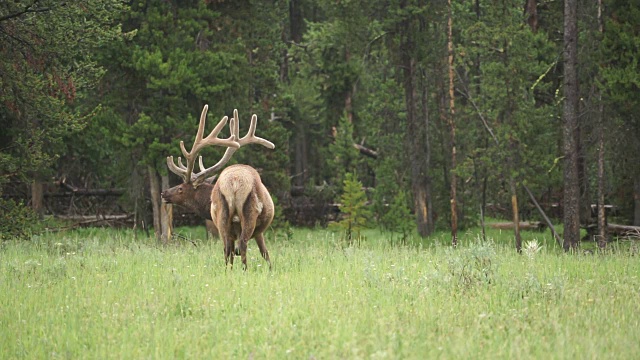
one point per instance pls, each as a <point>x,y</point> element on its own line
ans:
<point>398,218</point>
<point>353,206</point>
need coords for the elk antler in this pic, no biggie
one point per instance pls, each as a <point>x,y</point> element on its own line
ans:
<point>186,172</point>
<point>249,138</point>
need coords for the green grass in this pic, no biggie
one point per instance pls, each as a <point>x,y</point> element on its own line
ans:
<point>109,294</point>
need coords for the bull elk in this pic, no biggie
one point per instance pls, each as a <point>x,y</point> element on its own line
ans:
<point>239,204</point>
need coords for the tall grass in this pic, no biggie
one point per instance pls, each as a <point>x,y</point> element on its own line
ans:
<point>109,294</point>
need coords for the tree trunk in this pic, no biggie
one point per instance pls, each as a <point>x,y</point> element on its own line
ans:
<point>301,159</point>
<point>452,128</point>
<point>414,138</point>
<point>296,20</point>
<point>413,142</point>
<point>37,198</point>
<point>636,198</point>
<point>154,186</point>
<point>602,220</point>
<point>531,11</point>
<point>211,229</point>
<point>571,194</point>
<point>586,217</point>
<point>166,215</point>
<point>516,215</point>
<point>427,154</point>
<point>166,221</point>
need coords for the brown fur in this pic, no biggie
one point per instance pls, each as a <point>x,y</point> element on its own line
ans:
<point>195,199</point>
<point>241,208</point>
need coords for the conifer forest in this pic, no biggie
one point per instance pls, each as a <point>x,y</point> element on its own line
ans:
<point>406,115</point>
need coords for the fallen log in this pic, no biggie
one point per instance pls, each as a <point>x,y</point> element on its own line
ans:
<point>67,189</point>
<point>86,192</point>
<point>89,218</point>
<point>524,225</point>
<point>623,230</point>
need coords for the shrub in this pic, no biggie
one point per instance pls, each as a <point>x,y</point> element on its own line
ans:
<point>16,220</point>
<point>398,219</point>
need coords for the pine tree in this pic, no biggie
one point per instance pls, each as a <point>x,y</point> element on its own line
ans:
<point>399,218</point>
<point>353,205</point>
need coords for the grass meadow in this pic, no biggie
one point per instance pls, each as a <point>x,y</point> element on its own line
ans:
<point>105,293</point>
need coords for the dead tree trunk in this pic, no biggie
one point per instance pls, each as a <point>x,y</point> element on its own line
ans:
<point>544,216</point>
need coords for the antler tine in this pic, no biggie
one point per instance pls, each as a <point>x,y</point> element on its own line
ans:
<point>199,143</point>
<point>180,164</point>
<point>196,141</point>
<point>204,173</point>
<point>252,138</point>
<point>200,163</point>
<point>249,138</point>
<point>178,170</point>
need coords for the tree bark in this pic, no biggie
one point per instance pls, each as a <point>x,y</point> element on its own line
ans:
<point>516,214</point>
<point>571,193</point>
<point>602,220</point>
<point>452,128</point>
<point>413,142</point>
<point>301,156</point>
<point>636,200</point>
<point>154,186</point>
<point>427,153</point>
<point>166,221</point>
<point>166,215</point>
<point>413,136</point>
<point>37,198</point>
<point>531,11</point>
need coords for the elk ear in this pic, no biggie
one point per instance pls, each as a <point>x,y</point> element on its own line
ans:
<point>197,182</point>
<point>211,180</point>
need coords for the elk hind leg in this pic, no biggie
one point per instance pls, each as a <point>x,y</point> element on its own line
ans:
<point>248,225</point>
<point>263,248</point>
<point>222,218</point>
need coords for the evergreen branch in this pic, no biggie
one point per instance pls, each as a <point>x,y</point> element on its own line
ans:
<point>478,111</point>
<point>28,9</point>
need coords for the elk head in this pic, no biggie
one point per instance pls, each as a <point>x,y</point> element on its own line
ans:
<point>194,193</point>
<point>239,204</point>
